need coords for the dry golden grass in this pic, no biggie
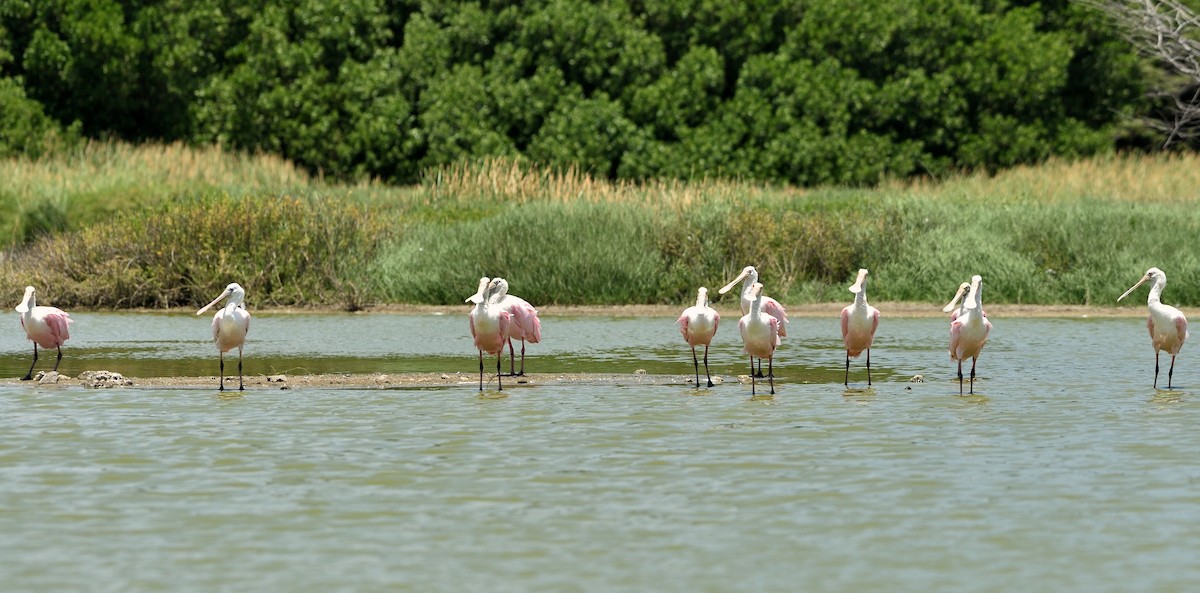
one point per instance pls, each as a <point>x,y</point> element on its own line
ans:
<point>513,180</point>
<point>1155,178</point>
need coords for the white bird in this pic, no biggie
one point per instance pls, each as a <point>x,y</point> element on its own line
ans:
<point>969,327</point>
<point>760,335</point>
<point>45,326</point>
<point>489,324</point>
<point>859,322</point>
<point>1167,325</point>
<point>770,306</point>
<point>230,325</point>
<point>698,324</point>
<point>525,325</point>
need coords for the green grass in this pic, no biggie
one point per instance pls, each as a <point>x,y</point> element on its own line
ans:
<point>172,225</point>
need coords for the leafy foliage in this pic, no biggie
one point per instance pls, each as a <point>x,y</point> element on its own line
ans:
<point>812,93</point>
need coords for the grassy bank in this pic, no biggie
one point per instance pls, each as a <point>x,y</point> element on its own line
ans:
<point>176,224</point>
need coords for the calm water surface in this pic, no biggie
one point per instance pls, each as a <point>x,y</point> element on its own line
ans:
<point>1066,472</point>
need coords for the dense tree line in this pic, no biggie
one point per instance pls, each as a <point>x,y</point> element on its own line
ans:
<point>800,91</point>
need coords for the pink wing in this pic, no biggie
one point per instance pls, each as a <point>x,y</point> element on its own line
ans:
<point>845,322</point>
<point>1181,327</point>
<point>472,319</point>
<point>58,321</point>
<point>683,326</point>
<point>216,324</point>
<point>775,325</point>
<point>505,326</point>
<point>1150,326</point>
<point>527,326</point>
<point>772,307</point>
<point>875,323</point>
<point>955,336</point>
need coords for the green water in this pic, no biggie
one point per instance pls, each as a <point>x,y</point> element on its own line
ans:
<point>1067,472</point>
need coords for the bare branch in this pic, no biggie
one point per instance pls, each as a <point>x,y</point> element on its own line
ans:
<point>1165,31</point>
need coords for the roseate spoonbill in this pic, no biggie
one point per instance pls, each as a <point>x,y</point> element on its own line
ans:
<point>969,327</point>
<point>760,335</point>
<point>524,325</point>
<point>859,322</point>
<point>698,324</point>
<point>490,325</point>
<point>1167,325</point>
<point>44,326</point>
<point>770,306</point>
<point>230,325</point>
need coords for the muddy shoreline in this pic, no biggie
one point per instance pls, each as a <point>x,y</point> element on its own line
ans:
<point>357,381</point>
<point>888,309</point>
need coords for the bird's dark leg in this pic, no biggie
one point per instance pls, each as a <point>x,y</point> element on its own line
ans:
<point>846,381</point>
<point>59,359</point>
<point>499,383</point>
<point>522,373</point>
<point>771,373</point>
<point>1171,373</point>
<point>241,387</point>
<point>973,360</point>
<point>481,370</point>
<point>696,364</point>
<point>868,367</point>
<point>752,379</point>
<point>221,379</point>
<point>960,376</point>
<point>29,376</point>
<point>1155,366</point>
<point>512,371</point>
<point>759,372</point>
<point>707,374</point>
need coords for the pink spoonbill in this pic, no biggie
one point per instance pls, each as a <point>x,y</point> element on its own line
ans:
<point>698,324</point>
<point>859,321</point>
<point>969,327</point>
<point>44,326</point>
<point>1167,325</point>
<point>230,325</point>
<point>760,335</point>
<point>770,306</point>
<point>525,325</point>
<point>490,324</point>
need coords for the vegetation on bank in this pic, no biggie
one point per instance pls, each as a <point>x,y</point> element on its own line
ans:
<point>1060,233</point>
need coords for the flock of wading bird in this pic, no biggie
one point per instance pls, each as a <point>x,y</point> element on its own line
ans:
<point>498,318</point>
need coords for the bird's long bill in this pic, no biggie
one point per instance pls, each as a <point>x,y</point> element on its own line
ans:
<point>858,283</point>
<point>1134,287</point>
<point>958,295</point>
<point>755,290</point>
<point>733,282</point>
<point>972,301</point>
<point>224,294</point>
<point>478,296</point>
<point>24,306</point>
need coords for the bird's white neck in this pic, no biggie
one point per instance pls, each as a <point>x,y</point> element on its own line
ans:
<point>1155,291</point>
<point>860,299</point>
<point>702,300</point>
